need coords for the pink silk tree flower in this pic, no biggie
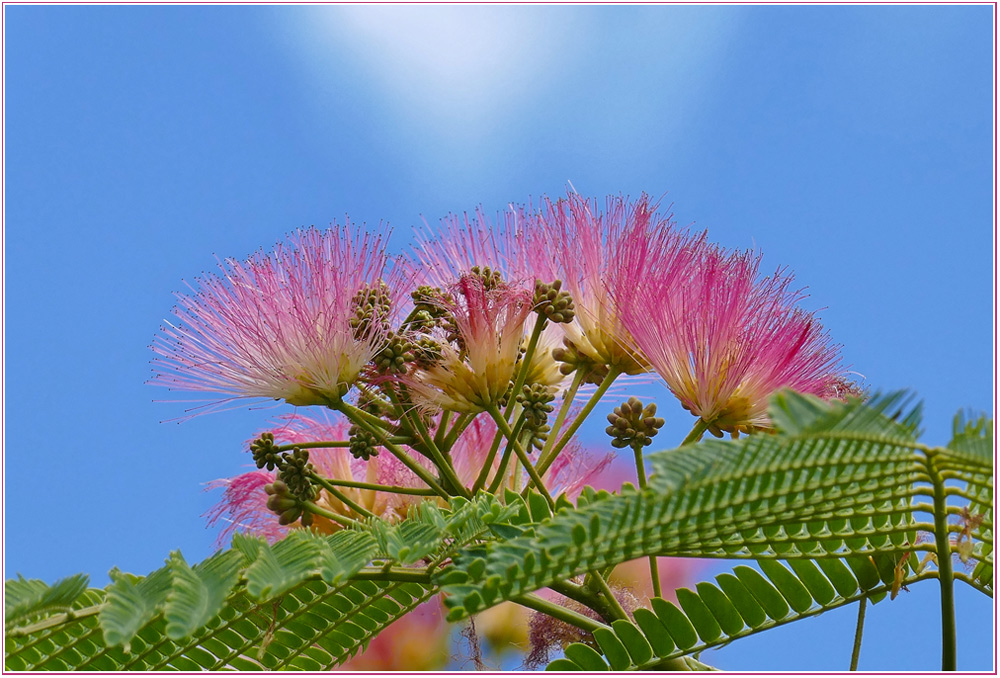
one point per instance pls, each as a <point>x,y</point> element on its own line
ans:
<point>593,252</point>
<point>287,325</point>
<point>475,374</point>
<point>724,341</point>
<point>507,247</point>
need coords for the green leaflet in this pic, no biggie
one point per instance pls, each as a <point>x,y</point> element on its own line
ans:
<point>196,593</point>
<point>843,480</point>
<point>25,599</point>
<point>131,603</point>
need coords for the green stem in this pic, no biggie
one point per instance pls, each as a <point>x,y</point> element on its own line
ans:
<point>457,429</point>
<point>945,574</point>
<point>654,569</point>
<point>55,620</point>
<point>444,464</point>
<point>856,653</point>
<point>505,459</point>
<point>410,463</point>
<point>585,597</point>
<point>309,446</point>
<point>544,463</point>
<point>395,489</point>
<point>343,521</point>
<point>559,612</point>
<point>396,440</point>
<point>522,374</point>
<point>519,451</point>
<point>358,415</point>
<point>442,428</point>
<point>358,508</point>
<point>700,426</point>
<point>568,396</point>
<point>609,596</point>
<point>484,472</point>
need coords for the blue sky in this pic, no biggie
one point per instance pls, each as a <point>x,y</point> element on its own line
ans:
<point>852,144</point>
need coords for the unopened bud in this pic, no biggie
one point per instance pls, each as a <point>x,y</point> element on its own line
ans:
<point>633,425</point>
<point>553,303</point>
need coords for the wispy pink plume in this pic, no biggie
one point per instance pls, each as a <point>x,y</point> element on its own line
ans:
<point>443,255</point>
<point>724,340</point>
<point>594,251</point>
<point>278,324</point>
<point>243,508</point>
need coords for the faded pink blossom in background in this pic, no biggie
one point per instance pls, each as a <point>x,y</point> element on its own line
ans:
<point>243,504</point>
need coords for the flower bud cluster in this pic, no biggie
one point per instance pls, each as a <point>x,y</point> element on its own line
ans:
<point>293,485</point>
<point>573,359</point>
<point>362,443</point>
<point>426,352</point>
<point>633,425</point>
<point>295,471</point>
<point>536,400</point>
<point>490,278</point>
<point>553,303</point>
<point>372,306</point>
<point>394,355</point>
<point>429,307</point>
<point>264,452</point>
<point>280,500</point>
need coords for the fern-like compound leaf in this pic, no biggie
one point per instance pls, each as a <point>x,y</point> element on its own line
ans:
<point>842,480</point>
<point>736,605</point>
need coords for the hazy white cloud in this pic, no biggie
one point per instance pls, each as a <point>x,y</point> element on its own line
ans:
<point>452,70</point>
<point>458,91</point>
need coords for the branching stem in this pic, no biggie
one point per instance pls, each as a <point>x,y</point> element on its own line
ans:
<point>700,426</point>
<point>343,521</point>
<point>545,461</point>
<point>521,454</point>
<point>609,595</point>
<point>416,425</point>
<point>395,489</point>
<point>654,570</point>
<point>559,612</point>
<point>358,508</point>
<point>355,415</point>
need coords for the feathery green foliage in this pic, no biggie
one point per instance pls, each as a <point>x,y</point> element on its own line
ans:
<point>309,602</point>
<point>841,504</point>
